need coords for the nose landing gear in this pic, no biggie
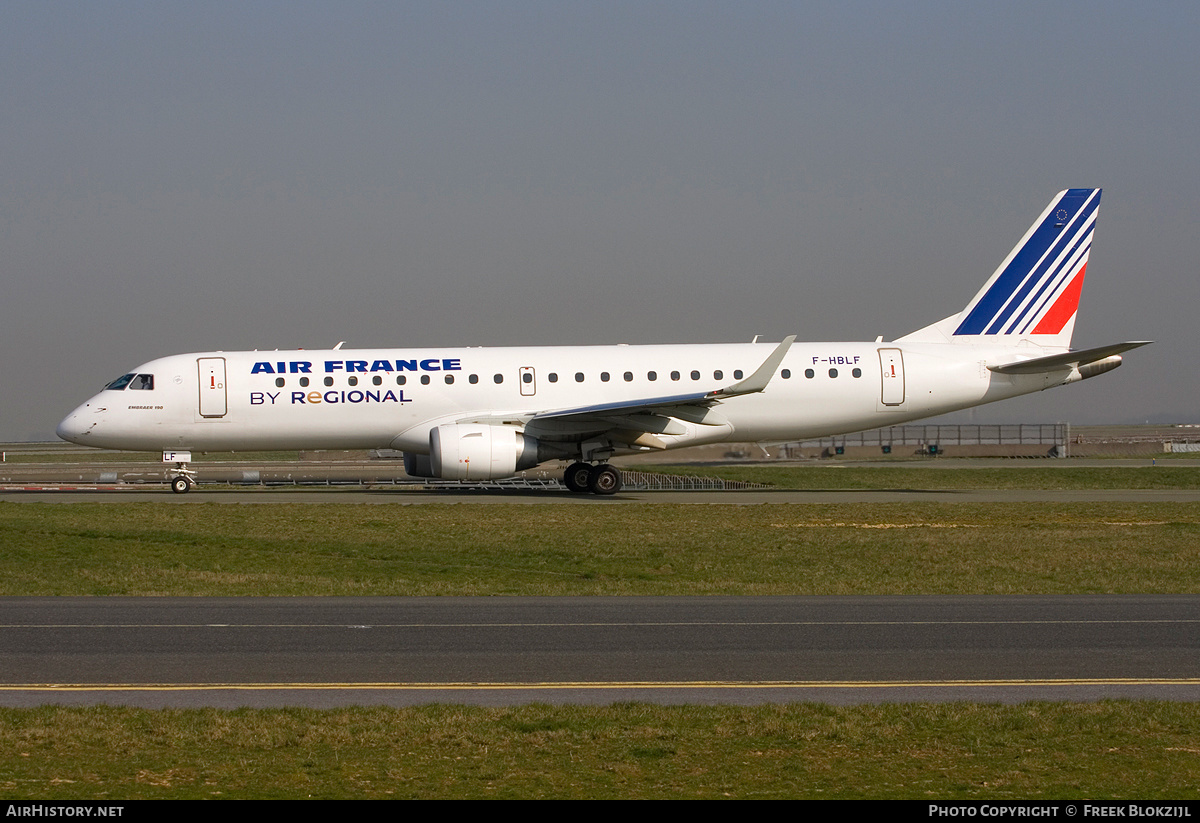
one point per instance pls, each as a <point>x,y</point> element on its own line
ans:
<point>181,477</point>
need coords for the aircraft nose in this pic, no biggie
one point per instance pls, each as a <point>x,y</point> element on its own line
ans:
<point>73,428</point>
<point>69,429</point>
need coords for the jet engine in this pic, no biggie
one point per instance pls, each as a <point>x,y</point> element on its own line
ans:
<point>472,451</point>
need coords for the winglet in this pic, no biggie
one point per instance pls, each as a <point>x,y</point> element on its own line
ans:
<point>761,377</point>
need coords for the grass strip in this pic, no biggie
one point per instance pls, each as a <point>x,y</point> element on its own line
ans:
<point>496,549</point>
<point>1113,749</point>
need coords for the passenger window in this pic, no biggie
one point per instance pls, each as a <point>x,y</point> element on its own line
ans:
<point>718,375</point>
<point>552,377</point>
<point>401,380</point>
<point>857,372</point>
<point>695,375</point>
<point>651,376</point>
<point>377,380</point>
<point>328,381</point>
<point>737,374</point>
<point>473,379</point>
<point>628,376</point>
<point>578,377</point>
<point>279,381</point>
<point>424,380</point>
<point>303,381</point>
<point>833,372</point>
<point>603,377</point>
<point>674,375</point>
<point>810,374</point>
<point>527,378</point>
<point>786,374</point>
<point>353,381</point>
<point>144,382</point>
<point>499,378</point>
<point>449,380</point>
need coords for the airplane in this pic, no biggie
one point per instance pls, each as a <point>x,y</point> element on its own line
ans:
<point>488,413</point>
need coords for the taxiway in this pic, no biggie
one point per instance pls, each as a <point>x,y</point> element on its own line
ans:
<point>321,652</point>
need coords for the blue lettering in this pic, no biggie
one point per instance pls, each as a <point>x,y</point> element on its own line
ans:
<point>372,397</point>
<point>256,398</point>
<point>354,399</point>
<point>330,394</point>
<point>297,397</point>
<point>273,397</point>
<point>350,366</point>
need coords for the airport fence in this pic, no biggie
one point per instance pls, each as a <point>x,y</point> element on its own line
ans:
<point>931,438</point>
<point>631,480</point>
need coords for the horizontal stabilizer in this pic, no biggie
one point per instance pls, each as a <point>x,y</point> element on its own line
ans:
<point>1039,365</point>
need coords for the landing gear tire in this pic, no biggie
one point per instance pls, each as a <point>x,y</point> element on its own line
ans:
<point>180,484</point>
<point>576,477</point>
<point>604,479</point>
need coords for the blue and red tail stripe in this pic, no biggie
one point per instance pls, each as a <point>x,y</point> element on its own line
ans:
<point>1039,286</point>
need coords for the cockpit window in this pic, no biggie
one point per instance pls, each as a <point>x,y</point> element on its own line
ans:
<point>121,382</point>
<point>143,381</point>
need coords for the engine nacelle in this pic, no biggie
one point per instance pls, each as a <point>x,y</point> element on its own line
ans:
<point>473,451</point>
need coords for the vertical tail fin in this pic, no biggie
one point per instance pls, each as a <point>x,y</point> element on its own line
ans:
<point>1034,294</point>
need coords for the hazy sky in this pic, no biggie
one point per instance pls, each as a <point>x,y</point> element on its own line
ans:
<point>195,176</point>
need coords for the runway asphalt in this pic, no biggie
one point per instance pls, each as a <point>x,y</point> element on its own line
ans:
<point>229,652</point>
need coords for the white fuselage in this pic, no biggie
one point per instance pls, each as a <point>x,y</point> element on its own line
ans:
<point>482,413</point>
<point>393,398</point>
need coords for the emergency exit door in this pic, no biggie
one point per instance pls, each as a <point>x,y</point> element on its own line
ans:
<point>528,381</point>
<point>213,402</point>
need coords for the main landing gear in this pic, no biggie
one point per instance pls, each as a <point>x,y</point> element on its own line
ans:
<point>581,478</point>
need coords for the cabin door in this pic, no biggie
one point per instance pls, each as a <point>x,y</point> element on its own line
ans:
<point>213,402</point>
<point>891,363</point>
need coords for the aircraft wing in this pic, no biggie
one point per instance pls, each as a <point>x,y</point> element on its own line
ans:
<point>751,385</point>
<point>639,419</point>
<point>1054,362</point>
